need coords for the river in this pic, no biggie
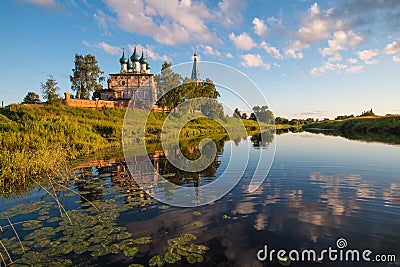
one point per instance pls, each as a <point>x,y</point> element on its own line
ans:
<point>320,189</point>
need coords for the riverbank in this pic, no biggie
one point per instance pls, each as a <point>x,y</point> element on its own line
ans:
<point>366,125</point>
<point>39,141</point>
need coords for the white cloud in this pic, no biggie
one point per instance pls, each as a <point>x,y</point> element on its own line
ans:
<point>273,51</point>
<point>254,60</point>
<point>242,41</point>
<point>326,67</point>
<point>392,48</point>
<point>340,40</point>
<point>354,69</point>
<point>293,54</point>
<point>208,50</point>
<point>230,12</point>
<point>294,49</point>
<point>352,60</point>
<point>109,49</point>
<point>259,27</point>
<point>176,23</point>
<point>367,55</point>
<point>228,55</point>
<point>314,27</point>
<point>396,59</point>
<point>337,57</point>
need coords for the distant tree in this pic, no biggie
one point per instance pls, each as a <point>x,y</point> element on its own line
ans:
<point>86,76</point>
<point>50,89</point>
<point>344,117</point>
<point>309,120</point>
<point>236,113</point>
<point>31,98</point>
<point>244,116</point>
<point>367,113</point>
<point>280,120</point>
<point>262,114</point>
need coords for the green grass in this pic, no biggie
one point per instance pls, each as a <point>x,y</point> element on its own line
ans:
<point>366,125</point>
<point>39,141</point>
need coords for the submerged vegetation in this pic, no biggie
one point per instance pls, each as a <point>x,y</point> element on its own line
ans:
<point>47,236</point>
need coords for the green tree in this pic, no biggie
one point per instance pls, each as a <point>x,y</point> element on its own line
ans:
<point>86,76</point>
<point>50,89</point>
<point>262,114</point>
<point>167,83</point>
<point>31,98</point>
<point>212,109</point>
<point>236,113</point>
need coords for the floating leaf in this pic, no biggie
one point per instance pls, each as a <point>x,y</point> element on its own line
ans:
<point>194,258</point>
<point>31,225</point>
<point>66,248</point>
<point>196,213</point>
<point>188,237</point>
<point>198,224</point>
<point>163,207</point>
<point>100,251</point>
<point>143,240</point>
<point>225,217</point>
<point>131,251</point>
<point>135,265</point>
<point>172,257</point>
<point>156,260</point>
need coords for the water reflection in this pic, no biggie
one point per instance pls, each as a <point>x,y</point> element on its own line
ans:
<point>308,201</point>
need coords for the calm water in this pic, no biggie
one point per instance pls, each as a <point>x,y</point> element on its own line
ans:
<point>320,188</point>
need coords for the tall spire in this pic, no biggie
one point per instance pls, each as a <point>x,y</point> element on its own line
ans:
<point>195,70</point>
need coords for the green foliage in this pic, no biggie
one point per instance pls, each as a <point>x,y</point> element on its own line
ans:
<point>174,90</point>
<point>262,114</point>
<point>367,113</point>
<point>38,141</point>
<point>381,125</point>
<point>344,117</point>
<point>236,113</point>
<point>86,76</point>
<point>31,98</point>
<point>50,89</point>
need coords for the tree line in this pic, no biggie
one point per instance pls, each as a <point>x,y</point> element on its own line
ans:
<point>86,79</point>
<point>174,90</point>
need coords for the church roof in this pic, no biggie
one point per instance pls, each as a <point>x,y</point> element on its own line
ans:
<point>123,59</point>
<point>135,56</point>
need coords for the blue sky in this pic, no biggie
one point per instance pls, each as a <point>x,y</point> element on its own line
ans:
<point>310,58</point>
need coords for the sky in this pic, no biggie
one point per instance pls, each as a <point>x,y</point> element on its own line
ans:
<point>309,58</point>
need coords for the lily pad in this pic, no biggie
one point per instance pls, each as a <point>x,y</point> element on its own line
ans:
<point>31,225</point>
<point>163,207</point>
<point>66,248</point>
<point>196,213</point>
<point>135,265</point>
<point>143,240</point>
<point>172,257</point>
<point>198,224</point>
<point>194,258</point>
<point>156,260</point>
<point>131,251</point>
